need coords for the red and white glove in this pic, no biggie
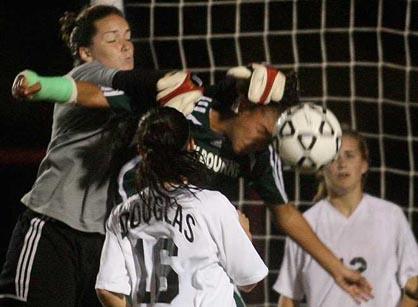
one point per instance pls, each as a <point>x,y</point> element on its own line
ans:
<point>266,82</point>
<point>180,90</point>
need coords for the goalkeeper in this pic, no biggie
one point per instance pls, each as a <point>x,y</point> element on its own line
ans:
<point>54,252</point>
<point>238,145</point>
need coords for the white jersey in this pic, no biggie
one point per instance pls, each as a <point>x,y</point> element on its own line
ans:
<point>376,240</point>
<point>189,255</point>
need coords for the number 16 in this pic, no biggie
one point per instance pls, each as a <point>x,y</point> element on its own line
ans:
<point>165,278</point>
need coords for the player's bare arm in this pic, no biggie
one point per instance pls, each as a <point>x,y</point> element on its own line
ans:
<point>245,223</point>
<point>411,287</point>
<point>177,89</point>
<point>292,222</point>
<point>408,302</point>
<point>285,301</point>
<point>247,288</point>
<point>111,299</point>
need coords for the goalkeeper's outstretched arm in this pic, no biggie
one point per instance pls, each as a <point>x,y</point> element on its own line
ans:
<point>28,85</point>
<point>177,89</point>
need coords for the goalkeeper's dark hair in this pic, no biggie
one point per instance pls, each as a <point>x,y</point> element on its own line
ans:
<point>77,30</point>
<point>168,168</point>
<point>322,191</point>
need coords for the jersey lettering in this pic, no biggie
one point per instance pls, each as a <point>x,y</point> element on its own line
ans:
<point>218,164</point>
<point>164,278</point>
<point>139,213</point>
<point>189,232</point>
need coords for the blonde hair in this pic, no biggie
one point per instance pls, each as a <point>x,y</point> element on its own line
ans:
<point>322,191</point>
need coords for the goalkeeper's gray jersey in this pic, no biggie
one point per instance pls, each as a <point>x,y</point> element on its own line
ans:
<point>83,155</point>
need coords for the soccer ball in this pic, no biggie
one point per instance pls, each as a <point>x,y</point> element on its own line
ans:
<point>309,136</point>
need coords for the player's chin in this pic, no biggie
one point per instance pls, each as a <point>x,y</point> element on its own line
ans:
<point>244,149</point>
<point>239,149</point>
<point>127,64</point>
<point>340,190</point>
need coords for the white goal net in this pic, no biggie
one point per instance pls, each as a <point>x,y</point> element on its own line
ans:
<point>359,58</point>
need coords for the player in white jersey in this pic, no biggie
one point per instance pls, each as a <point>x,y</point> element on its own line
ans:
<point>174,242</point>
<point>368,233</point>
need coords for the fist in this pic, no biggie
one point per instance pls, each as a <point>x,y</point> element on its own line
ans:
<point>21,89</point>
<point>180,90</point>
<point>266,83</point>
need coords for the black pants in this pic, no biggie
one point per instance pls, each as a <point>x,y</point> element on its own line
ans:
<point>50,264</point>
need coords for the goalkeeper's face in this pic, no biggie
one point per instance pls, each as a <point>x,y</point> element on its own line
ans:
<point>111,45</point>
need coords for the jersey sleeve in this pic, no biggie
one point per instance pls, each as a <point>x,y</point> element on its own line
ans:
<point>117,99</point>
<point>289,281</point>
<point>407,251</point>
<point>94,72</point>
<point>113,274</point>
<point>139,84</point>
<point>237,254</point>
<point>267,178</point>
<point>102,76</point>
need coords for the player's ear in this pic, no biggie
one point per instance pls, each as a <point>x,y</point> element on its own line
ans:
<point>243,103</point>
<point>364,167</point>
<point>191,145</point>
<point>85,54</point>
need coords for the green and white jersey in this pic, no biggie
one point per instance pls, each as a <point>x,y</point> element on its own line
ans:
<point>262,171</point>
<point>85,153</point>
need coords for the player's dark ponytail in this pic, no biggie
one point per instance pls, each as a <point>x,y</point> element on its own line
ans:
<point>322,191</point>
<point>168,166</point>
<point>78,30</point>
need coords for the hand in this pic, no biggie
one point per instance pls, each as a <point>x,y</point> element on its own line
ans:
<point>245,223</point>
<point>264,83</point>
<point>21,89</point>
<point>180,90</point>
<point>354,284</point>
<point>411,288</point>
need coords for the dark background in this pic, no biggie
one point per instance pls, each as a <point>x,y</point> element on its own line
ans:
<point>29,38</point>
<point>385,58</point>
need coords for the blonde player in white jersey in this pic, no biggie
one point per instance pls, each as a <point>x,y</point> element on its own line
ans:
<point>368,233</point>
<point>174,243</point>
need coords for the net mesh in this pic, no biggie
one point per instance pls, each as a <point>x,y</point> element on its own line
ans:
<point>358,58</point>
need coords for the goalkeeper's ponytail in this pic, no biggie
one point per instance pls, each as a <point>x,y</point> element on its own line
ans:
<point>168,164</point>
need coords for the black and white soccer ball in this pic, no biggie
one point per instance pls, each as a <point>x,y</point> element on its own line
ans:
<point>309,136</point>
